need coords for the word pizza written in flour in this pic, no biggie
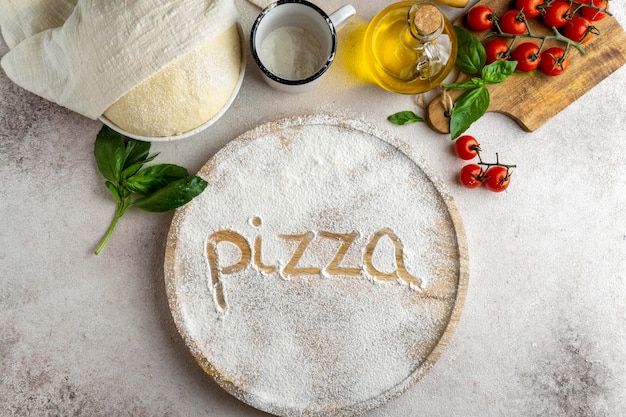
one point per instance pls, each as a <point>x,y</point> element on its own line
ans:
<point>252,253</point>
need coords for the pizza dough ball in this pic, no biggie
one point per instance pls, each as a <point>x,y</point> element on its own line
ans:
<point>184,95</point>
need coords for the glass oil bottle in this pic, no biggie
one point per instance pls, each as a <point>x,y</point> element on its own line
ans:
<point>410,47</point>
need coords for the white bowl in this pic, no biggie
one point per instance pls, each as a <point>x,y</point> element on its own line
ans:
<point>203,126</point>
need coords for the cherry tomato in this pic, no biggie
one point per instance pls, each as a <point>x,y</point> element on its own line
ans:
<point>592,14</point>
<point>553,61</point>
<point>496,49</point>
<point>471,176</point>
<point>513,22</point>
<point>579,30</point>
<point>529,7</point>
<point>557,14</point>
<point>527,56</point>
<point>466,147</point>
<point>497,178</point>
<point>480,18</point>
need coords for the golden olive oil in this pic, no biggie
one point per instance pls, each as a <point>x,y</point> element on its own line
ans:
<point>409,47</point>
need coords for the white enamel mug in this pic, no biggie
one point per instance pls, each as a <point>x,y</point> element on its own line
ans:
<point>294,42</point>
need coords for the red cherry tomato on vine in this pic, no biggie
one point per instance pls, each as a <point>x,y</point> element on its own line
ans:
<point>529,7</point>
<point>496,49</point>
<point>466,147</point>
<point>527,56</point>
<point>480,18</point>
<point>497,178</point>
<point>513,22</point>
<point>579,30</point>
<point>553,61</point>
<point>471,176</point>
<point>592,14</point>
<point>557,14</point>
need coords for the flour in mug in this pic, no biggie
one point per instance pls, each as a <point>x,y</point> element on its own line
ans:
<point>291,53</point>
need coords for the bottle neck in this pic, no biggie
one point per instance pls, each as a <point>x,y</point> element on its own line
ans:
<point>425,22</point>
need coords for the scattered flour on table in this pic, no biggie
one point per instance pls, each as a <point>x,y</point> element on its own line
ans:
<point>299,345</point>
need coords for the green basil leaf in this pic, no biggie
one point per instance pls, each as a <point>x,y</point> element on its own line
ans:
<point>498,71</point>
<point>136,151</point>
<point>469,107</point>
<point>474,82</point>
<point>471,56</point>
<point>406,117</point>
<point>115,191</point>
<point>132,169</point>
<point>173,195</point>
<point>109,153</point>
<point>150,179</point>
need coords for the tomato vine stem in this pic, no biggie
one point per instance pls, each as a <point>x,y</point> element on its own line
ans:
<point>579,5</point>
<point>488,165</point>
<point>556,36</point>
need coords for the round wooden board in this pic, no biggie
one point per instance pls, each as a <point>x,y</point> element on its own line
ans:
<point>322,272</point>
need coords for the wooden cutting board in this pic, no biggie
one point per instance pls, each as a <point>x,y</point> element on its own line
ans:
<point>533,100</point>
<point>323,270</point>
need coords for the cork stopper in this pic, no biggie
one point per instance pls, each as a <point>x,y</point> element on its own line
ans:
<point>427,19</point>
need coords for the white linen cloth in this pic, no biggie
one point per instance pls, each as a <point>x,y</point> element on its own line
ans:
<point>86,54</point>
<point>262,3</point>
<point>20,19</point>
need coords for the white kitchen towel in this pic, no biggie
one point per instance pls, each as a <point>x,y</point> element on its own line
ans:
<point>20,19</point>
<point>105,48</point>
<point>262,3</point>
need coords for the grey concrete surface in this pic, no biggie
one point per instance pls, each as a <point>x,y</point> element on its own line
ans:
<point>543,331</point>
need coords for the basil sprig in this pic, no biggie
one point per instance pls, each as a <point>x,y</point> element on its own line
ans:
<point>474,102</point>
<point>405,117</point>
<point>157,188</point>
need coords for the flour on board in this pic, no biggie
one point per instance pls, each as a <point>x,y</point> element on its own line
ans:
<point>315,342</point>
